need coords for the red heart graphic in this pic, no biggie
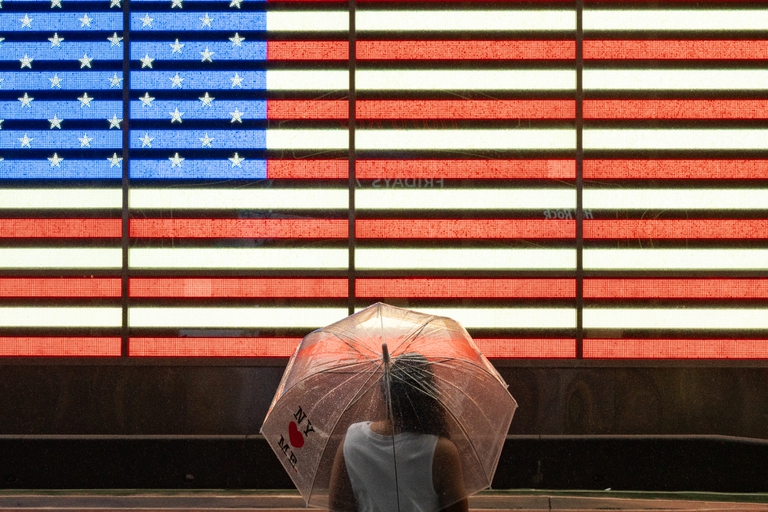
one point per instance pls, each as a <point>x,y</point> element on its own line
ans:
<point>295,435</point>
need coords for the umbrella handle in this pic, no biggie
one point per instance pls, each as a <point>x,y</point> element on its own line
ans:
<point>388,392</point>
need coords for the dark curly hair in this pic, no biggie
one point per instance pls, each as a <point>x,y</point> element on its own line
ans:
<point>415,397</point>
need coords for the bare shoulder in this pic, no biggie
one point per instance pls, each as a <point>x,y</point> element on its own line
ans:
<point>445,451</point>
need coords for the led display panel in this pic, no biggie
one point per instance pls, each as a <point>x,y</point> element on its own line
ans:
<point>217,178</point>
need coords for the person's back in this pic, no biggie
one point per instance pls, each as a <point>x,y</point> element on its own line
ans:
<point>370,465</point>
<point>428,476</point>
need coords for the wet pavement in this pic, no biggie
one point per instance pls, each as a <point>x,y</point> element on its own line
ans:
<point>214,501</point>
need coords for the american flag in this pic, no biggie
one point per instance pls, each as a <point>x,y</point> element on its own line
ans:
<point>218,178</point>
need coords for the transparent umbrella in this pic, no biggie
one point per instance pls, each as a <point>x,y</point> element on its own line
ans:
<point>349,372</point>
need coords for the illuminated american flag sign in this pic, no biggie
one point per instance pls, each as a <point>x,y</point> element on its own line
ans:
<point>190,178</point>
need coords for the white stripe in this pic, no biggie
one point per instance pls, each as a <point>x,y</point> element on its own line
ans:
<point>262,258</point>
<point>677,318</point>
<point>60,317</point>
<point>676,139</point>
<point>465,259</point>
<point>307,21</point>
<point>676,199</point>
<point>307,139</point>
<point>240,199</point>
<point>61,257</point>
<point>676,259</point>
<point>462,199</point>
<point>307,80</point>
<point>523,139</point>
<point>508,318</point>
<point>48,198</point>
<point>673,79</point>
<point>480,21</point>
<point>252,317</point>
<point>464,79</point>
<point>677,20</point>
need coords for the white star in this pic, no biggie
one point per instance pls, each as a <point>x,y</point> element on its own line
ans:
<point>26,21</point>
<point>1,38</point>
<point>146,141</point>
<point>206,141</point>
<point>85,141</point>
<point>55,40</point>
<point>55,122</point>
<point>207,100</point>
<point>235,3</point>
<point>114,3</point>
<point>55,160</point>
<point>55,3</point>
<point>146,61</point>
<point>206,21</point>
<point>146,21</point>
<point>236,160</point>
<point>115,81</point>
<point>26,100</point>
<point>114,161</point>
<point>176,46</point>
<point>237,40</point>
<point>55,81</point>
<point>25,141</point>
<point>146,100</point>
<point>176,115</point>
<point>176,160</point>
<point>207,54</point>
<point>176,81</point>
<point>114,122</point>
<point>85,100</point>
<point>85,21</point>
<point>115,40</point>
<point>237,116</point>
<point>1,123</point>
<point>176,3</point>
<point>26,61</point>
<point>85,62</point>
<point>237,81</point>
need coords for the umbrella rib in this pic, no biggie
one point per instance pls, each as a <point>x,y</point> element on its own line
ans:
<point>461,426</point>
<point>353,401</point>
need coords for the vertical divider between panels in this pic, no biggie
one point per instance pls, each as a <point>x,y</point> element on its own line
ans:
<point>124,332</point>
<point>351,123</point>
<point>579,180</point>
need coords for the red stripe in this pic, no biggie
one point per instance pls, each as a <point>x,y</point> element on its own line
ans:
<point>307,109</point>
<point>307,169</point>
<point>308,50</point>
<point>676,288</point>
<point>468,1</point>
<point>59,347</point>
<point>676,109</point>
<point>527,348</point>
<point>217,288</point>
<point>465,50</point>
<point>466,169</point>
<point>675,349</point>
<point>677,228</point>
<point>465,288</point>
<point>238,228</point>
<point>60,228</point>
<point>676,169</point>
<point>59,287</point>
<point>464,228</point>
<point>682,50</point>
<point>465,109</point>
<point>212,347</point>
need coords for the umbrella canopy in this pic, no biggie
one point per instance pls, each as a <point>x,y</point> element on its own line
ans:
<point>335,378</point>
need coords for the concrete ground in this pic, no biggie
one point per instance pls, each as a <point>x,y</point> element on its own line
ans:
<point>282,501</point>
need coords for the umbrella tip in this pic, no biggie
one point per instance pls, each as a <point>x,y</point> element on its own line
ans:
<point>385,353</point>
